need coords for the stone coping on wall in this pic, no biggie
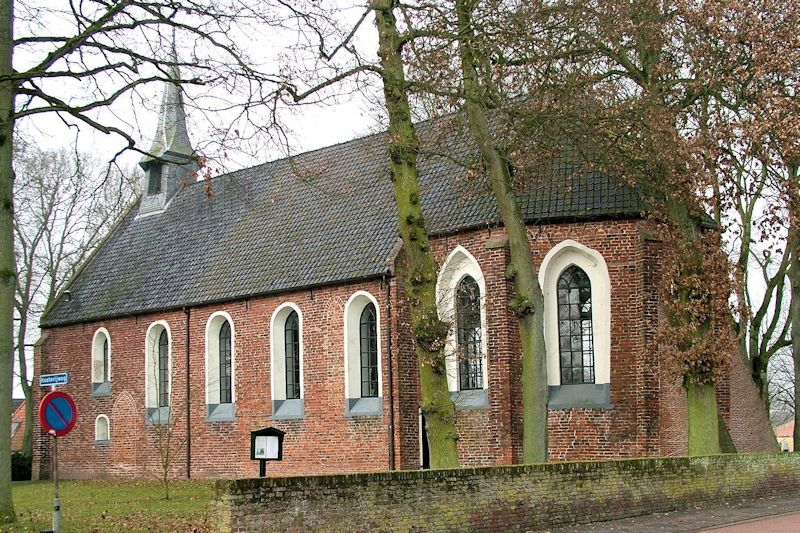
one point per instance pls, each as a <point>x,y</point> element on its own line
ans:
<point>500,497</point>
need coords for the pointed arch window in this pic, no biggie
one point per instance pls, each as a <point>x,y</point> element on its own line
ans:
<point>225,363</point>
<point>220,367</point>
<point>106,363</point>
<point>575,337</point>
<point>291,337</point>
<point>368,339</point>
<point>468,334</point>
<point>286,362</point>
<point>101,363</point>
<point>362,356</point>
<point>163,370</point>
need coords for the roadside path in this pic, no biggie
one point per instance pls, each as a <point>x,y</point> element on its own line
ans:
<point>775,515</point>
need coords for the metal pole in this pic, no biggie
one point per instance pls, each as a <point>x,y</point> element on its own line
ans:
<point>56,499</point>
<point>262,468</point>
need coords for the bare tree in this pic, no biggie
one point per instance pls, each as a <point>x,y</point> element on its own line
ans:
<point>89,56</point>
<point>65,203</point>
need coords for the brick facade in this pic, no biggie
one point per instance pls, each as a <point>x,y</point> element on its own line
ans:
<point>646,416</point>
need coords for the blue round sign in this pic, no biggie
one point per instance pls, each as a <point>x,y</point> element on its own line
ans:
<point>57,413</point>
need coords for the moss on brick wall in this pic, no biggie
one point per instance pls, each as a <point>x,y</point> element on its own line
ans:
<point>507,498</point>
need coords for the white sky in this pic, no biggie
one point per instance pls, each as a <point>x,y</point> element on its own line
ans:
<point>312,127</point>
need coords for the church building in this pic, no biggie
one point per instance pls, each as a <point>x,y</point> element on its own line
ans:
<point>274,297</point>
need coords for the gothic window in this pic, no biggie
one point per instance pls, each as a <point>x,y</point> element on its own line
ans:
<point>158,371</point>
<point>225,363</point>
<point>286,362</point>
<point>368,337</point>
<point>106,365</point>
<point>460,302</point>
<point>468,334</point>
<point>575,341</point>
<point>362,356</point>
<point>101,363</point>
<point>220,367</point>
<point>162,385</point>
<point>291,337</point>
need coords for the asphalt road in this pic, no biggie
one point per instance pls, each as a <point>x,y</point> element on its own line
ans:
<point>775,515</point>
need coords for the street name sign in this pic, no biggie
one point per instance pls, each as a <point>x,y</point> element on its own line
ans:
<point>50,380</point>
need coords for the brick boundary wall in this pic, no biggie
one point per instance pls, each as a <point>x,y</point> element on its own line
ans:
<point>505,498</point>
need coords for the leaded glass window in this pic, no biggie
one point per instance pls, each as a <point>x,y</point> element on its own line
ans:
<point>292,351</point>
<point>106,376</point>
<point>468,338</point>
<point>163,369</point>
<point>225,363</point>
<point>368,337</point>
<point>576,343</point>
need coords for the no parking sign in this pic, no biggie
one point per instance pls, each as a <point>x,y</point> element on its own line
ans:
<point>57,413</point>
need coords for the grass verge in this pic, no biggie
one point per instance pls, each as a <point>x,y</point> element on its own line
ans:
<point>113,505</point>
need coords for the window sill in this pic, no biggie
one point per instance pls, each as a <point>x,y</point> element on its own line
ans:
<point>288,409</point>
<point>159,416</point>
<point>101,389</point>
<point>470,399</point>
<point>221,412</point>
<point>102,443</point>
<point>364,406</point>
<point>587,396</point>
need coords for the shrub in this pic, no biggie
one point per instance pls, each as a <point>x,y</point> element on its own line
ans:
<point>20,467</point>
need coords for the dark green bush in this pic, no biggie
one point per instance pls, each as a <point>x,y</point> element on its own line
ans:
<point>20,467</point>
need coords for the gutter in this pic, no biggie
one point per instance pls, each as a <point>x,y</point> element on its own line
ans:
<point>390,372</point>
<point>187,337</point>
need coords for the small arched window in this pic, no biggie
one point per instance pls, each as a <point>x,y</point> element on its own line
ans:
<point>468,334</point>
<point>291,337</point>
<point>575,340</point>
<point>102,432</point>
<point>368,337</point>
<point>225,363</point>
<point>101,363</point>
<point>162,386</point>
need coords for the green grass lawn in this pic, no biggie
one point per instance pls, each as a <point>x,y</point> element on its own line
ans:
<point>113,505</point>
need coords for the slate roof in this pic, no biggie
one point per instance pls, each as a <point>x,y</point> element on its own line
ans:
<point>319,218</point>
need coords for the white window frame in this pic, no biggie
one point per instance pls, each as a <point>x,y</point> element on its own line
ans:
<point>151,363</point>
<point>355,404</point>
<point>458,265</point>
<point>100,335</point>
<point>97,422</point>
<point>558,259</point>
<point>277,351</point>
<point>215,409</point>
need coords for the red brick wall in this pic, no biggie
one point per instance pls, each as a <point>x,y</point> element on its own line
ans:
<point>647,417</point>
<point>324,441</point>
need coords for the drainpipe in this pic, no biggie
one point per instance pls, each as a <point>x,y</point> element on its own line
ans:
<point>390,373</point>
<point>187,314</point>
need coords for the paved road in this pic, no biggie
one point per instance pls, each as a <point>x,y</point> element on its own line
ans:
<point>774,515</point>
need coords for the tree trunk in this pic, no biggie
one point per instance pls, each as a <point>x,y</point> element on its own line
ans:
<point>27,438</point>
<point>794,306</point>
<point>7,263</point>
<point>429,331</point>
<point>528,304</point>
<point>701,397</point>
<point>703,419</point>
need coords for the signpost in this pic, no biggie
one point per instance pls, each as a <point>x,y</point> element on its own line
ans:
<point>57,415</point>
<point>51,380</point>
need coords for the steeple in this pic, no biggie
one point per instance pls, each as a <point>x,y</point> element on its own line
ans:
<point>171,157</point>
